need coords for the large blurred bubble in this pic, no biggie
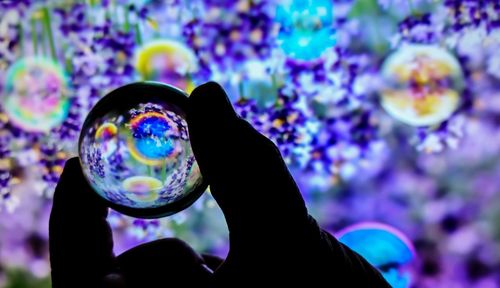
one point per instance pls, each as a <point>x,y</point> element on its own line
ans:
<point>422,85</point>
<point>383,246</point>
<point>167,61</point>
<point>35,94</point>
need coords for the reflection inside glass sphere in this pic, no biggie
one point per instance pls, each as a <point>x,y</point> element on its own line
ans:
<point>135,151</point>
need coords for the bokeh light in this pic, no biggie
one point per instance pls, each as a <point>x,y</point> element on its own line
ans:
<point>167,61</point>
<point>35,94</point>
<point>423,85</point>
<point>383,246</point>
<point>306,28</point>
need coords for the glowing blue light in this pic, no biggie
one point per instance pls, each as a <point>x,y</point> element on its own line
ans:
<point>151,140</point>
<point>306,28</point>
<point>384,247</point>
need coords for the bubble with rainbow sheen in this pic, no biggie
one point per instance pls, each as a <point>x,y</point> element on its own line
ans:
<point>135,151</point>
<point>167,61</point>
<point>35,95</point>
<point>105,135</point>
<point>422,84</point>
<point>384,247</point>
<point>306,28</point>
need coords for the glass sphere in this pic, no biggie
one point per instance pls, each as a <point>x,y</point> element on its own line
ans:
<point>384,247</point>
<point>35,94</point>
<point>135,151</point>
<point>167,61</point>
<point>422,85</point>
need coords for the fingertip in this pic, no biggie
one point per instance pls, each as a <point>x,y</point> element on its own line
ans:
<point>72,168</point>
<point>211,120</point>
<point>71,175</point>
<point>71,163</point>
<point>210,86</point>
<point>209,102</point>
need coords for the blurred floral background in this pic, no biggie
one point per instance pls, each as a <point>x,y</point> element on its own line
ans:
<point>386,111</point>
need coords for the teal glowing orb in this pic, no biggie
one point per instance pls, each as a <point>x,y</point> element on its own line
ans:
<point>384,247</point>
<point>306,28</point>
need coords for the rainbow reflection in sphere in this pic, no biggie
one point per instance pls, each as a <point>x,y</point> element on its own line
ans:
<point>384,247</point>
<point>135,151</point>
<point>167,61</point>
<point>35,94</point>
<point>422,85</point>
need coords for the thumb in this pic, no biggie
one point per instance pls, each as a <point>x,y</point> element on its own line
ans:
<point>80,239</point>
<point>248,178</point>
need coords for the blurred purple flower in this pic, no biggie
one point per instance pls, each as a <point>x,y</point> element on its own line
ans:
<point>228,33</point>
<point>289,123</point>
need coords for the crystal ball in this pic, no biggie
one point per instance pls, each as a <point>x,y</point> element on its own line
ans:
<point>422,84</point>
<point>384,247</point>
<point>135,152</point>
<point>35,94</point>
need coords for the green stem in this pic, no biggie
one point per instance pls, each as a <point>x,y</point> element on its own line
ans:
<point>240,89</point>
<point>21,36</point>
<point>107,14</point>
<point>150,170</point>
<point>34,38</point>
<point>115,12</point>
<point>164,171</point>
<point>275,86</point>
<point>68,65</point>
<point>138,35</point>
<point>274,82</point>
<point>411,6</point>
<point>43,44</point>
<point>127,19</point>
<point>48,31</point>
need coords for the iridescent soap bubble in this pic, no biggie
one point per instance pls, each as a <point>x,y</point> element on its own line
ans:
<point>135,151</point>
<point>422,85</point>
<point>35,94</point>
<point>167,61</point>
<point>306,28</point>
<point>384,247</point>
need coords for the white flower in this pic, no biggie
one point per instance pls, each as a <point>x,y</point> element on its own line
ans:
<point>494,64</point>
<point>9,201</point>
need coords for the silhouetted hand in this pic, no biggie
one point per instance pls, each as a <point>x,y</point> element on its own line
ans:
<point>272,237</point>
